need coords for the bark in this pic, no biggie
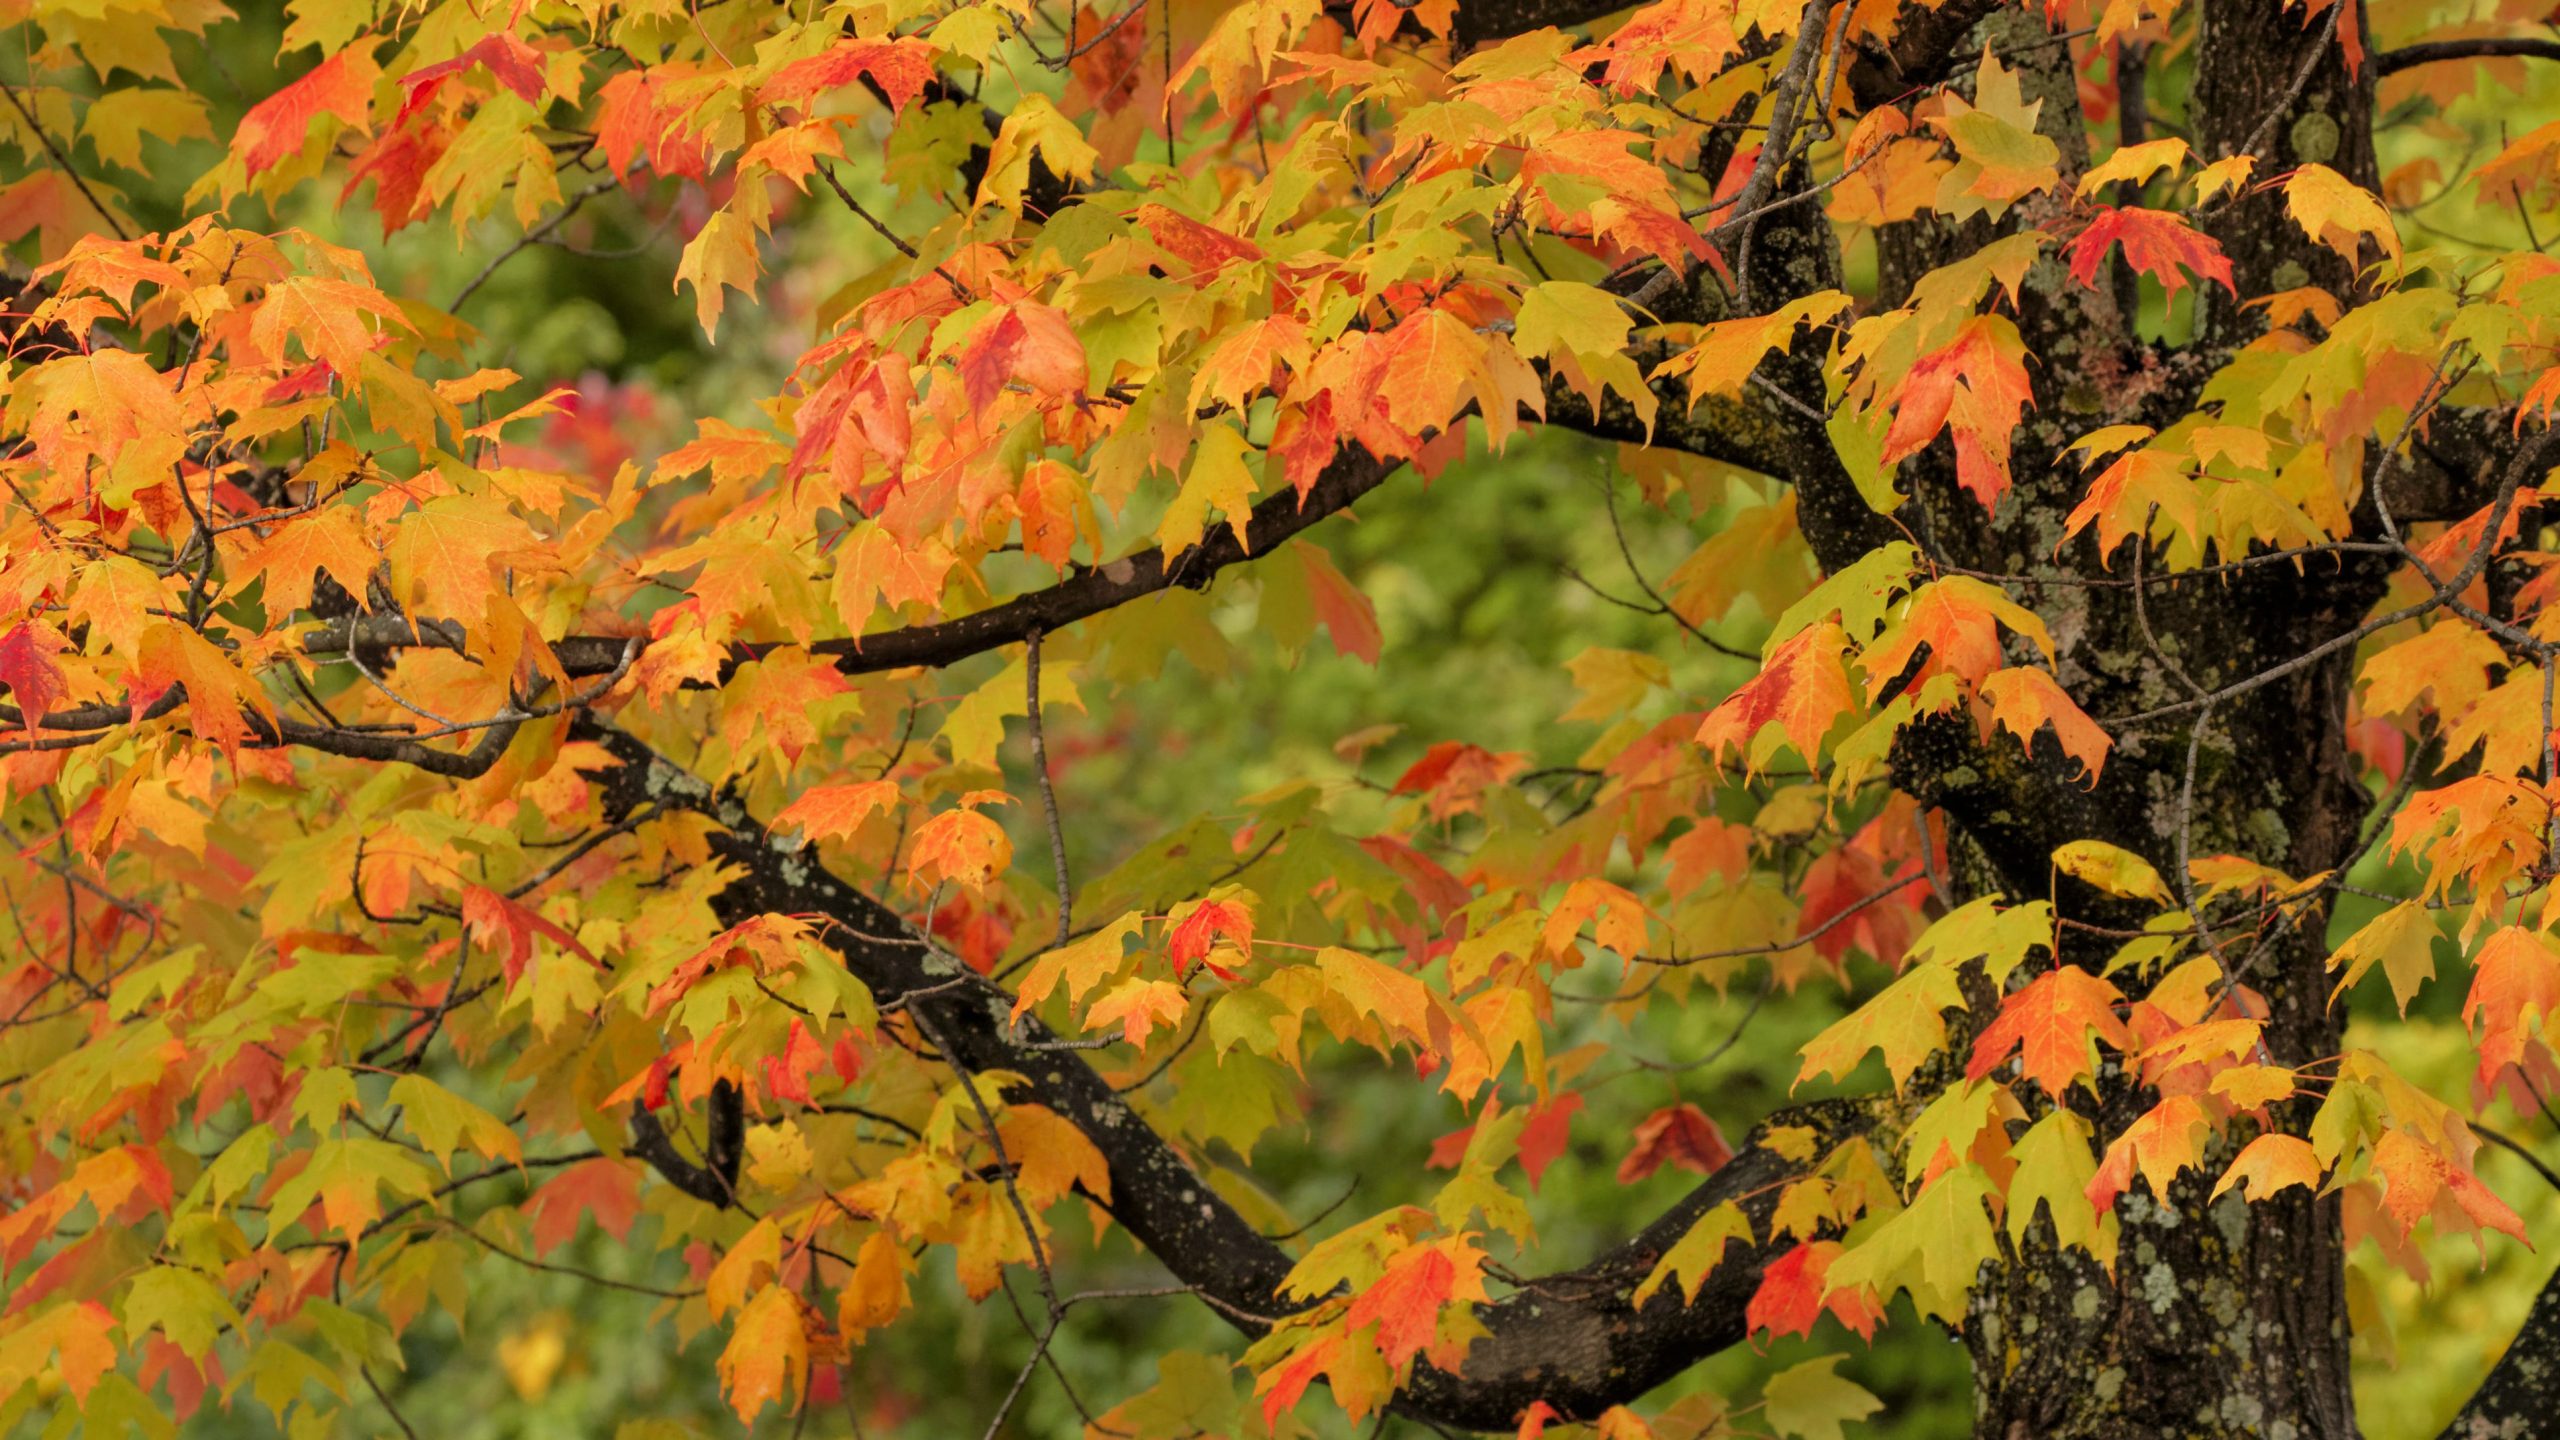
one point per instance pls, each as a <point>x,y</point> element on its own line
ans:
<point>2521,1398</point>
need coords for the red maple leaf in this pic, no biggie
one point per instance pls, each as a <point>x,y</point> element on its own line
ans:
<point>275,127</point>
<point>27,668</point>
<point>608,1190</point>
<point>2158,244</point>
<point>641,115</point>
<point>1200,931</point>
<point>901,68</point>
<point>1405,1303</point>
<point>509,61</point>
<point>1975,387</point>
<point>494,918</point>
<point>786,1076</point>
<point>1456,774</point>
<point>1545,1135</point>
<point>1205,249</point>
<point>1680,1135</point>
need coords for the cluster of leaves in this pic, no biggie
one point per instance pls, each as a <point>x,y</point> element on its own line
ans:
<point>385,787</point>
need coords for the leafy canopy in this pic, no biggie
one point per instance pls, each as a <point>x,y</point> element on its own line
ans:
<point>386,768</point>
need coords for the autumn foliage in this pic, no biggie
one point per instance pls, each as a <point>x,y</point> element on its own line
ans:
<point>456,823</point>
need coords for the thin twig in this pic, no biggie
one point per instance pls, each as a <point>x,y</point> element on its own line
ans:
<point>1048,793</point>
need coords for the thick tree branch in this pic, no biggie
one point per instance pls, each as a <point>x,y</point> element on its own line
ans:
<point>1277,519</point>
<point>2521,1398</point>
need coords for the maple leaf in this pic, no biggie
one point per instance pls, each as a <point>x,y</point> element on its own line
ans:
<point>1028,342</point>
<point>1849,902</point>
<point>877,1292</point>
<point>1810,1401</point>
<point>721,257</point>
<point>2051,1020</point>
<point>445,553</point>
<point>1218,477</point>
<point>1729,351</point>
<point>2269,1164</point>
<point>2112,868</point>
<point>1546,1134</point>
<point>2133,165</point>
<point>1802,690</point>
<point>76,1335</point>
<point>1140,1007</point>
<point>1339,607</point>
<point>2448,663</point>
<point>1196,929</point>
<point>787,1074</point>
<point>219,697</point>
<point>1244,364</point>
<point>1621,926</point>
<point>1792,1293</point>
<point>2002,157</point>
<point>294,554</point>
<point>118,120</point>
<point>767,1353</point>
<point>2168,1138</point>
<point>96,403</point>
<point>1454,775</point>
<point>2055,1167</point>
<point>2514,983</point>
<point>835,812</point>
<point>901,67</point>
<point>1204,250</point>
<point>1034,127</point>
<point>509,61</point>
<point>27,667</point>
<point>2156,244</point>
<point>494,918</point>
<point>1405,1302</point>
<point>2120,500</point>
<point>1679,1135</point>
<point>2338,213</point>
<point>1081,965</point>
<point>1904,1021</point>
<point>643,115</point>
<point>1696,1252</point>
<point>1974,387</point>
<point>2402,941</point>
<point>1957,619</point>
<point>958,847</point>
<point>340,86</point>
<point>2024,699</point>
<point>875,566</point>
<point>1932,1248</point>
<point>1380,992</point>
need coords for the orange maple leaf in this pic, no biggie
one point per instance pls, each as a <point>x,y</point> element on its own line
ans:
<point>2051,1020</point>
<point>833,812</point>
<point>2167,1139</point>
<point>2024,699</point>
<point>1802,689</point>
<point>958,847</point>
<point>340,86</point>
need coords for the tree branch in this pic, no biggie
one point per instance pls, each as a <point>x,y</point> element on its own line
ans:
<point>2428,52</point>
<point>1278,518</point>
